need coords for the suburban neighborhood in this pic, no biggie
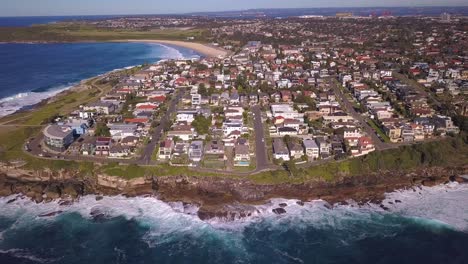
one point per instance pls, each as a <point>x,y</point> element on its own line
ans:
<point>326,95</point>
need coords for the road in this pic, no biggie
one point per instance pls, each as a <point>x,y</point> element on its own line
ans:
<point>145,158</point>
<point>348,107</point>
<point>418,87</point>
<point>260,145</point>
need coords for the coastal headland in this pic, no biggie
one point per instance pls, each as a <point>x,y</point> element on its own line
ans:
<point>368,164</point>
<point>223,198</point>
<point>364,179</point>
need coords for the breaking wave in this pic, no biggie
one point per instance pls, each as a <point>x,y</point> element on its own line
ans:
<point>11,104</point>
<point>73,72</point>
<point>121,229</point>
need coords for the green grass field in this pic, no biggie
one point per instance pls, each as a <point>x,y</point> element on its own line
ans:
<point>13,138</point>
<point>450,152</point>
<point>64,32</point>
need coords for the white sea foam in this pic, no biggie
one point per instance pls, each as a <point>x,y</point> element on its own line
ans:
<point>9,105</point>
<point>176,224</point>
<point>440,205</point>
<point>170,53</point>
<point>444,203</point>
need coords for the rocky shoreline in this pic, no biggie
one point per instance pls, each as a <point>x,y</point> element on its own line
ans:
<point>222,198</point>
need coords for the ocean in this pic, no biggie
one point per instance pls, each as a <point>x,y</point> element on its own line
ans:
<point>30,73</point>
<point>428,225</point>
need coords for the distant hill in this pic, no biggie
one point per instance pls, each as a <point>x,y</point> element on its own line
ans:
<point>358,11</point>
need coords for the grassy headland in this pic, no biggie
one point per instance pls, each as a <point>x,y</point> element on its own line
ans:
<point>449,152</point>
<point>66,32</point>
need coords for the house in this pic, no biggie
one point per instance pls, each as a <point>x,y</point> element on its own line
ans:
<point>143,107</point>
<point>393,132</point>
<point>184,132</point>
<point>365,145</point>
<point>186,115</point>
<point>119,130</point>
<point>119,151</point>
<point>445,124</point>
<point>231,126</point>
<point>311,148</point>
<point>324,146</point>
<point>101,107</point>
<point>136,120</point>
<point>241,155</point>
<point>292,123</point>
<point>295,150</point>
<point>165,149</point>
<point>103,145</point>
<point>180,149</point>
<point>196,151</point>
<point>79,127</point>
<point>283,131</point>
<point>58,137</point>
<point>407,134</point>
<point>253,99</point>
<point>88,149</point>
<point>337,117</point>
<point>75,148</point>
<point>234,99</point>
<point>196,99</point>
<point>130,141</point>
<point>280,151</point>
<point>215,147</point>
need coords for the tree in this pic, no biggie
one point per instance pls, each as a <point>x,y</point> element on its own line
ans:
<point>201,124</point>
<point>202,89</point>
<point>176,139</point>
<point>290,166</point>
<point>102,130</point>
<point>287,140</point>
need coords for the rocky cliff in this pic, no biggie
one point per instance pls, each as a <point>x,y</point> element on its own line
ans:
<point>217,197</point>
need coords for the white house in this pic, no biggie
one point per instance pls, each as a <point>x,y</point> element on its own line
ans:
<point>280,151</point>
<point>311,148</point>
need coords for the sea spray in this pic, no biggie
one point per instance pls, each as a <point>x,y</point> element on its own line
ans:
<point>121,229</point>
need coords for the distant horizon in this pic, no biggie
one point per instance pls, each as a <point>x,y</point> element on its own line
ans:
<point>236,10</point>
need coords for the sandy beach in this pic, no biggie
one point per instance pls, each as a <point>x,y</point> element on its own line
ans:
<point>207,50</point>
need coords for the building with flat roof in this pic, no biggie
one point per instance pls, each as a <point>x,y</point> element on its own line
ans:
<point>280,151</point>
<point>57,137</point>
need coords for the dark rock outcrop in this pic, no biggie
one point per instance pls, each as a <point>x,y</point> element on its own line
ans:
<point>224,198</point>
<point>279,211</point>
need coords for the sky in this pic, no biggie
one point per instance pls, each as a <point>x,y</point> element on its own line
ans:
<point>110,7</point>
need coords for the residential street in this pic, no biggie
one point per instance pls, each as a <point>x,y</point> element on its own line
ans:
<point>145,159</point>
<point>348,107</point>
<point>260,147</point>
